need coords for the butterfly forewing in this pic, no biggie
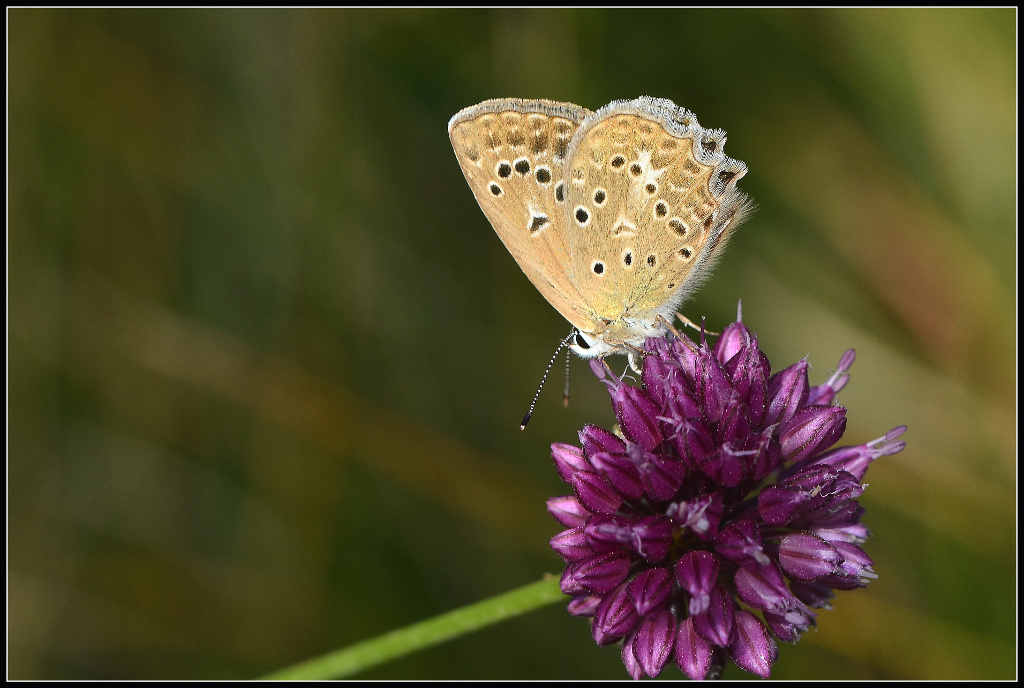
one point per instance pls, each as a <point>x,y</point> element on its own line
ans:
<point>651,200</point>
<point>512,153</point>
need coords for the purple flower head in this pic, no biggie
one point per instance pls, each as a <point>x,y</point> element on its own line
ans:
<point>720,514</point>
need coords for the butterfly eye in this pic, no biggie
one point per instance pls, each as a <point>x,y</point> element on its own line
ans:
<point>543,175</point>
<point>660,209</point>
<point>580,341</point>
<point>599,197</point>
<point>636,170</point>
<point>523,166</point>
<point>495,189</point>
<point>618,161</point>
<point>504,169</point>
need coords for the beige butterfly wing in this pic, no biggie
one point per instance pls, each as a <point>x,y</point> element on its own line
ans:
<point>652,201</point>
<point>512,152</point>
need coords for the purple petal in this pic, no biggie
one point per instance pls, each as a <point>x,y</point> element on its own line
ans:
<point>716,624</point>
<point>595,439</point>
<point>856,563</point>
<point>693,440</point>
<point>659,374</point>
<point>847,532</point>
<point>650,590</point>
<point>609,533</point>
<point>814,595</point>
<point>655,637</point>
<point>569,582</point>
<point>601,573</point>
<point>768,455</point>
<point>679,402</point>
<point>748,370</point>
<point>712,388</point>
<point>787,393</point>
<point>568,460</point>
<point>634,409</point>
<point>826,393</point>
<point>891,435</point>
<point>790,626</point>
<point>629,658</point>
<point>692,654</point>
<point>662,477</point>
<point>637,415</point>
<point>621,472</point>
<point>652,538</point>
<point>811,430</point>
<point>735,424</point>
<point>584,605</point>
<point>572,545</point>
<point>777,504</point>
<point>763,587</point>
<point>595,493</point>
<point>741,542</point>
<point>808,557</point>
<point>615,617</point>
<point>733,339</point>
<point>697,573</point>
<point>855,460</point>
<point>753,648</point>
<point>568,511</point>
<point>827,496</point>
<point>727,466</point>
<point>683,352</point>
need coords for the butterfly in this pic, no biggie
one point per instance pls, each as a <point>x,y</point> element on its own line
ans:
<point>616,216</point>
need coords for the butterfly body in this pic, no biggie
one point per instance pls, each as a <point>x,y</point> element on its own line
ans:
<point>616,216</point>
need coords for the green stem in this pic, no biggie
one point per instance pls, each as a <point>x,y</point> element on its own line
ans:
<point>369,653</point>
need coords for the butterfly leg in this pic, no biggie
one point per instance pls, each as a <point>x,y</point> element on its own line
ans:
<point>664,321</point>
<point>679,337</point>
<point>686,321</point>
<point>632,355</point>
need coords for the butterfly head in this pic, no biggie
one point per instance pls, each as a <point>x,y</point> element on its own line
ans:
<point>587,345</point>
<point>623,336</point>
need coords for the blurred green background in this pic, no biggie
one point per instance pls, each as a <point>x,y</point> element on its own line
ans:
<point>267,359</point>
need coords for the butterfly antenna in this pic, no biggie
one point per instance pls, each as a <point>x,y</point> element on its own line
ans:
<point>565,396</point>
<point>529,414</point>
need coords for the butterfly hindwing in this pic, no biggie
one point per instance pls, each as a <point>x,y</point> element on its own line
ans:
<point>651,200</point>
